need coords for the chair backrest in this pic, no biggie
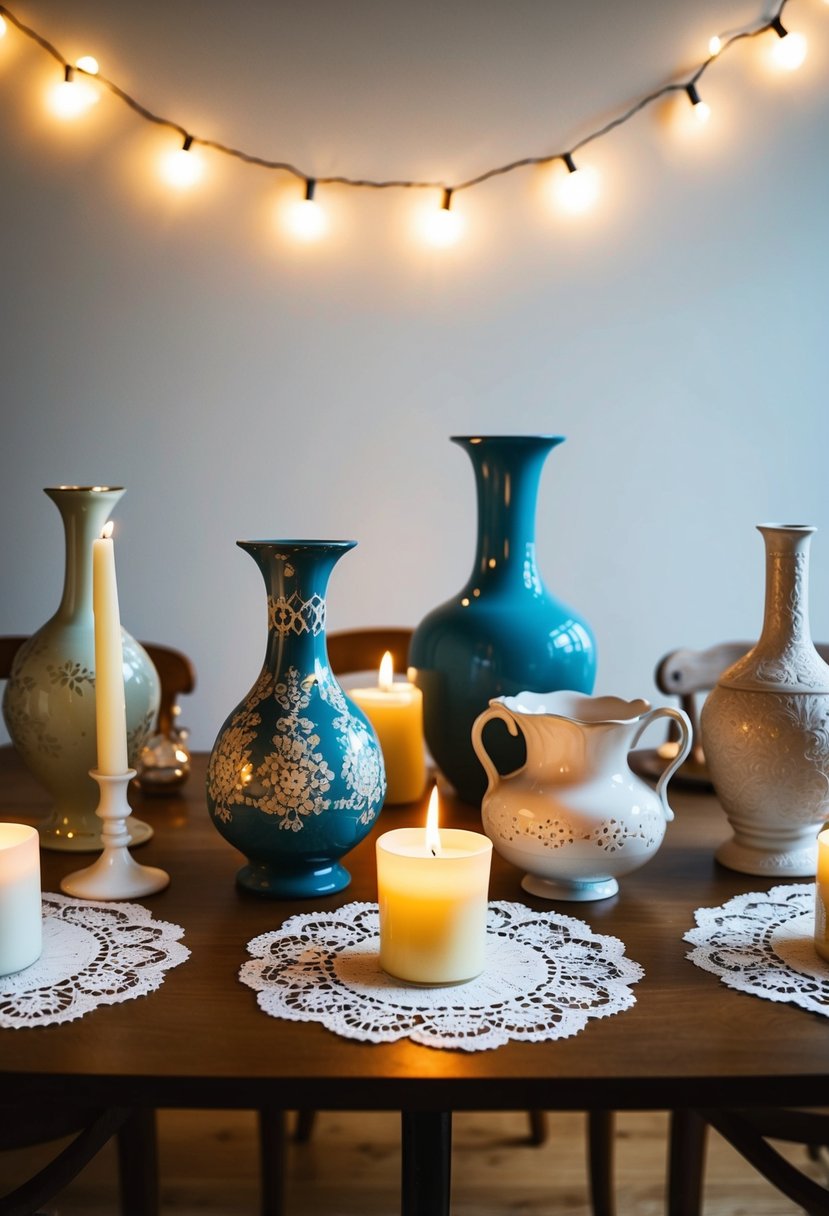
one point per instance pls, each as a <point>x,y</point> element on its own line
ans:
<point>684,673</point>
<point>176,675</point>
<point>362,649</point>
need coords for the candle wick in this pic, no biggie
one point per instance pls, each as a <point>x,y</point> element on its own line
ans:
<point>434,852</point>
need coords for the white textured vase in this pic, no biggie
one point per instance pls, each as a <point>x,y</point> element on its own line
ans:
<point>765,727</point>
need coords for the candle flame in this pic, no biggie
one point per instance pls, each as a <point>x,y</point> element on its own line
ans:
<point>106,531</point>
<point>386,677</point>
<point>432,833</point>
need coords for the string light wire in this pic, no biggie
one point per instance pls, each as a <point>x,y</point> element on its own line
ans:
<point>687,85</point>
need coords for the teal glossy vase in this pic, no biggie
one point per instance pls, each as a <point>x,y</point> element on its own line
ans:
<point>296,775</point>
<point>503,633</point>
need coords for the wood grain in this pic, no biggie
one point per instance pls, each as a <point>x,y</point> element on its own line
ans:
<point>201,1040</point>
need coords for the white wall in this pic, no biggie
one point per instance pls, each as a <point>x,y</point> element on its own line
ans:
<point>242,387</point>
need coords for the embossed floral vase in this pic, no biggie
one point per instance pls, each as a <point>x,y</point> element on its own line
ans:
<point>296,774</point>
<point>574,816</point>
<point>765,727</point>
<point>503,633</point>
<point>49,700</point>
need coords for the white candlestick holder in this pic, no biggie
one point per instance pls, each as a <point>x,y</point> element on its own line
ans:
<point>114,875</point>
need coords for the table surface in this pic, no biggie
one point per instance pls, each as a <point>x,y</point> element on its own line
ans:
<point>202,1040</point>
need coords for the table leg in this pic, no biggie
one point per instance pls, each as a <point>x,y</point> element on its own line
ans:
<point>427,1163</point>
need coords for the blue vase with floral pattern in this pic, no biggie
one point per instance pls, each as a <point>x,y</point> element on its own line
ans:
<point>296,774</point>
<point>503,633</point>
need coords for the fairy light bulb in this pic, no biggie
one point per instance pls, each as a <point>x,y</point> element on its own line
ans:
<point>72,97</point>
<point>308,221</point>
<point>88,64</point>
<point>182,168</point>
<point>578,189</point>
<point>699,108</point>
<point>790,49</point>
<point>443,227</point>
<point>714,45</point>
<point>2,27</point>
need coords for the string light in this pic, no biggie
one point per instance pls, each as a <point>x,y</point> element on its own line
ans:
<point>790,50</point>
<point>442,227</point>
<point>182,168</point>
<point>307,219</point>
<point>576,190</point>
<point>72,97</point>
<point>700,109</point>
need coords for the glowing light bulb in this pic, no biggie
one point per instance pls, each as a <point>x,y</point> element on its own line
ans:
<point>182,168</point>
<point>88,64</point>
<point>789,51</point>
<point>714,45</point>
<point>699,108</point>
<point>2,26</point>
<point>578,189</point>
<point>71,97</point>
<point>307,220</point>
<point>443,227</point>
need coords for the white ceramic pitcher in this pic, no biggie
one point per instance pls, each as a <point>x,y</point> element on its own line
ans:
<point>575,816</point>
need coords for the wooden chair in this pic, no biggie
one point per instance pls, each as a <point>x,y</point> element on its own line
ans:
<point>689,674</point>
<point>356,650</point>
<point>135,1129</point>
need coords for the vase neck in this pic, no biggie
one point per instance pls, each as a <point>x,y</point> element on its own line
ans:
<point>786,612</point>
<point>84,511</point>
<point>784,658</point>
<point>296,575</point>
<point>507,476</point>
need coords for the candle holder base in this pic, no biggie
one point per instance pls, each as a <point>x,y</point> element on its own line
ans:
<point>114,875</point>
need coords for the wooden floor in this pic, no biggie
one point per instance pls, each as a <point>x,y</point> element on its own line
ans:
<point>351,1168</point>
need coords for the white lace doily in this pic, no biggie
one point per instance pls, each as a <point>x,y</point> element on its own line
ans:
<point>93,954</point>
<point>763,943</point>
<point>546,975</point>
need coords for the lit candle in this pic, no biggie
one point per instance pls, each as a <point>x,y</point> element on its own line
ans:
<point>110,704</point>
<point>395,710</point>
<point>20,916</point>
<point>432,889</point>
<point>822,895</point>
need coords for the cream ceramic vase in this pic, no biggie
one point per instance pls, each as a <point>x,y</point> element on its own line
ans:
<point>765,727</point>
<point>49,700</point>
<point>575,816</point>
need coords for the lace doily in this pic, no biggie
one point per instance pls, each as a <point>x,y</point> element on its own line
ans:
<point>763,943</point>
<point>93,954</point>
<point>546,975</point>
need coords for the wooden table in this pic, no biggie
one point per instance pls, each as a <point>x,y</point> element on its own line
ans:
<point>201,1040</point>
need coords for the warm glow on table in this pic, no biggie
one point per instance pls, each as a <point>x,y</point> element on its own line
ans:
<point>822,895</point>
<point>110,702</point>
<point>395,710</point>
<point>20,916</point>
<point>432,888</point>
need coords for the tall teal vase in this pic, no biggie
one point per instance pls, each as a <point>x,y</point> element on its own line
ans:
<point>296,776</point>
<point>503,633</point>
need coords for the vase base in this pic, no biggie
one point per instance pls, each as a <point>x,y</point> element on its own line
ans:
<point>800,861</point>
<point>575,890</point>
<point>264,880</point>
<point>63,837</point>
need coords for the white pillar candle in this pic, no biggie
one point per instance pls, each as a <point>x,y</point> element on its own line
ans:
<point>110,702</point>
<point>20,915</point>
<point>432,893</point>
<point>395,710</point>
<point>822,895</point>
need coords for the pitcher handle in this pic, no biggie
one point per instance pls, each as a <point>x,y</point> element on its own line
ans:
<point>493,711</point>
<point>686,739</point>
